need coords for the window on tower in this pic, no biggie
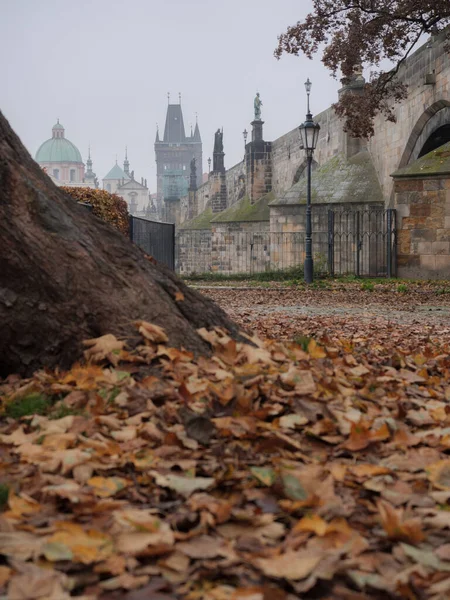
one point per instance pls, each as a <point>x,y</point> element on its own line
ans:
<point>72,174</point>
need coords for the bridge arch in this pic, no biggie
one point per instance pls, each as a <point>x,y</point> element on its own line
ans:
<point>435,117</point>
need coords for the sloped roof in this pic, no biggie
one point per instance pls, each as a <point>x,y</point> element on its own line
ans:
<point>116,173</point>
<point>436,162</point>
<point>58,150</point>
<point>174,129</point>
<point>197,137</point>
<point>340,180</point>
<point>244,211</point>
<point>132,183</point>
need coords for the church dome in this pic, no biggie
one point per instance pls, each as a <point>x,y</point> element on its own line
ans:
<point>58,149</point>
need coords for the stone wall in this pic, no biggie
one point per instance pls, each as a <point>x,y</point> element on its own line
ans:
<point>193,251</point>
<point>423,237</point>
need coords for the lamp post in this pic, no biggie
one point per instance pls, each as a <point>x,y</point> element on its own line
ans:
<point>309,133</point>
<point>245,134</point>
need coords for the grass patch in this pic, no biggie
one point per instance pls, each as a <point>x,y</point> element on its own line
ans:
<point>302,341</point>
<point>33,404</point>
<point>402,288</point>
<point>62,410</point>
<point>368,286</point>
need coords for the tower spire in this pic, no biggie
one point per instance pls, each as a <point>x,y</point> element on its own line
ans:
<point>126,163</point>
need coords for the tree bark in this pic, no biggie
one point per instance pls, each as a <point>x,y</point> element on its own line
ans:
<point>66,276</point>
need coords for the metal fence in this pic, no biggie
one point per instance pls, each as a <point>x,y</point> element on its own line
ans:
<point>361,242</point>
<point>155,238</point>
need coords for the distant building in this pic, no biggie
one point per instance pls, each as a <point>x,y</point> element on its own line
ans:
<point>122,182</point>
<point>173,156</point>
<point>61,159</point>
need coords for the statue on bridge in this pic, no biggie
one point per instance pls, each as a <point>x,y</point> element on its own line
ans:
<point>218,141</point>
<point>257,106</point>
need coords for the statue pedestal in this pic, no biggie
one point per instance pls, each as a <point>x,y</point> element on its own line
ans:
<point>257,131</point>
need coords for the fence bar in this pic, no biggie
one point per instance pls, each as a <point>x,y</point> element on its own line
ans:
<point>131,227</point>
<point>358,243</point>
<point>389,243</point>
<point>331,242</point>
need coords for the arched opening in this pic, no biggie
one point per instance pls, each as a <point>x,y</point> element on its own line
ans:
<point>438,138</point>
<point>301,171</point>
<point>435,116</point>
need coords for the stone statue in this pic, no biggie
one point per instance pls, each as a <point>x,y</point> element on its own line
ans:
<point>218,141</point>
<point>257,106</point>
<point>193,168</point>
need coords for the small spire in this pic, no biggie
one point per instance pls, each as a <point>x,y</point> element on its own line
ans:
<point>126,152</point>
<point>116,159</point>
<point>179,97</point>
<point>89,151</point>
<point>192,133</point>
<point>168,97</point>
<point>57,120</point>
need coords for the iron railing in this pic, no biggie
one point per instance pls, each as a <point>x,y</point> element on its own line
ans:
<point>362,242</point>
<point>155,238</point>
<point>358,242</point>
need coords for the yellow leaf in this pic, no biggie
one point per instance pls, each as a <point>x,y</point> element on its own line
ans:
<point>85,546</point>
<point>179,297</point>
<point>152,332</point>
<point>102,347</point>
<point>104,487</point>
<point>439,474</point>
<point>316,351</point>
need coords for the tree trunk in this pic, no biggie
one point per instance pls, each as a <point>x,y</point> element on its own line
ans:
<point>66,276</point>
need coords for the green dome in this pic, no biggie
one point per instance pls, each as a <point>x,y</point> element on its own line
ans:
<point>58,150</point>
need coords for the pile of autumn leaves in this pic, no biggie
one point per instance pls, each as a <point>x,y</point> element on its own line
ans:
<point>110,207</point>
<point>262,472</point>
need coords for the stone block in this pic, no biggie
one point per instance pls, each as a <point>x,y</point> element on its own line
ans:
<point>420,210</point>
<point>437,210</point>
<point>446,182</point>
<point>424,248</point>
<point>408,185</point>
<point>441,247</point>
<point>443,235</point>
<point>428,261</point>
<point>413,222</point>
<point>402,211</point>
<point>420,197</point>
<point>423,235</point>
<point>404,241</point>
<point>408,260</point>
<point>447,222</point>
<point>443,264</point>
<point>433,184</point>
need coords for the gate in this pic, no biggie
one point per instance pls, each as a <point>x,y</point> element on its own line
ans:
<point>155,238</point>
<point>362,242</point>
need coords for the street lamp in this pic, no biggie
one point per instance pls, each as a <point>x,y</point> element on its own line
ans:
<point>245,134</point>
<point>309,133</point>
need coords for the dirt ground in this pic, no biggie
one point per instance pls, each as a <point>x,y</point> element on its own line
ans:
<point>338,311</point>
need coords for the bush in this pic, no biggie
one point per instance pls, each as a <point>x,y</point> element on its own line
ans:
<point>109,207</point>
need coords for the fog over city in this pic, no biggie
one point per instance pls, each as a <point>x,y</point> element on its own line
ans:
<point>105,67</point>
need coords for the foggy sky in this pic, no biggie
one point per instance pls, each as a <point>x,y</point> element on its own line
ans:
<point>104,67</point>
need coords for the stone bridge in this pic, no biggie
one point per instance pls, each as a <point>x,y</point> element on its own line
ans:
<point>348,172</point>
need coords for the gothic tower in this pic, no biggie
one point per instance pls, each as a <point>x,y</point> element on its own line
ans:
<point>173,158</point>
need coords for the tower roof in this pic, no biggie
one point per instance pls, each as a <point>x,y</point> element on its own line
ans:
<point>116,173</point>
<point>58,148</point>
<point>174,129</point>
<point>197,137</point>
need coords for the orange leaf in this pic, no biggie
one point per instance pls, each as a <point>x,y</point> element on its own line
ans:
<point>396,527</point>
